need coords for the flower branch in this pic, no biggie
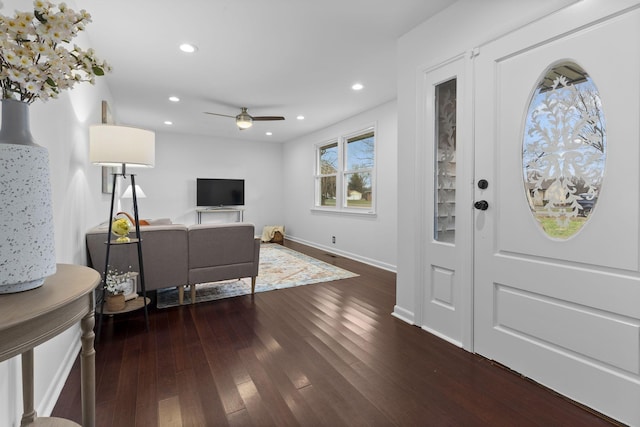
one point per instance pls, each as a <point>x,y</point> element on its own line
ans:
<point>36,61</point>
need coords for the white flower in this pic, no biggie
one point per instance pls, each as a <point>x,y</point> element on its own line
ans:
<point>114,280</point>
<point>35,59</point>
<point>31,87</point>
<point>40,5</point>
<point>17,75</point>
<point>11,58</point>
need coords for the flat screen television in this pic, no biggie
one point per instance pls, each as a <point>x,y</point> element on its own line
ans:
<point>216,192</point>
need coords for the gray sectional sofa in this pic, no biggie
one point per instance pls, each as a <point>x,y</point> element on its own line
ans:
<point>179,255</point>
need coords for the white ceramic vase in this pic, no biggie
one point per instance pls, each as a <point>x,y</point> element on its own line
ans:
<point>27,246</point>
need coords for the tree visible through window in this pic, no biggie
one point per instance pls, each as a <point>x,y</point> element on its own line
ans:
<point>359,156</point>
<point>328,170</point>
<point>344,172</point>
<point>564,150</point>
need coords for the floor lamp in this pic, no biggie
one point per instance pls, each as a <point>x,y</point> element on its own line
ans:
<point>123,147</point>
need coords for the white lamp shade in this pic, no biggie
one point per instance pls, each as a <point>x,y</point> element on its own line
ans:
<point>111,145</point>
<point>244,120</point>
<point>128,193</point>
<point>244,123</point>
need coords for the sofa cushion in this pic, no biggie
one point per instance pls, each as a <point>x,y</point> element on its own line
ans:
<point>220,244</point>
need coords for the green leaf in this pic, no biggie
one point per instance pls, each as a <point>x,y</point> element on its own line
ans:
<point>50,82</point>
<point>98,71</point>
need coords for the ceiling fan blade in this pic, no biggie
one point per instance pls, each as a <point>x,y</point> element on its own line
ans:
<point>266,118</point>
<point>223,115</point>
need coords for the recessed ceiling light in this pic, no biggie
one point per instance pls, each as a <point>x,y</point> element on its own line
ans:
<point>357,86</point>
<point>168,122</point>
<point>300,117</point>
<point>174,99</point>
<point>188,48</point>
<point>268,133</point>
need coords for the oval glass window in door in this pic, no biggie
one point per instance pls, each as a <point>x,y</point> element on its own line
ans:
<point>564,150</point>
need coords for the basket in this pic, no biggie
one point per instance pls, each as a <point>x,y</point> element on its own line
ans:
<point>116,302</point>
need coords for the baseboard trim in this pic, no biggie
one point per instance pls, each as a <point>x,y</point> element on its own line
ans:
<point>404,315</point>
<point>355,257</point>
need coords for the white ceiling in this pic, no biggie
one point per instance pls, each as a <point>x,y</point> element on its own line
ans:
<point>276,57</point>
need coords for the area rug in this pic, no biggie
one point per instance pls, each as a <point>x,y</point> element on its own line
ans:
<point>280,268</point>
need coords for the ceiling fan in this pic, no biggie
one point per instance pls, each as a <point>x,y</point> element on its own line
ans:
<point>245,121</point>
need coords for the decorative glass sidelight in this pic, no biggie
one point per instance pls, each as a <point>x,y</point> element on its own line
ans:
<point>445,162</point>
<point>563,152</point>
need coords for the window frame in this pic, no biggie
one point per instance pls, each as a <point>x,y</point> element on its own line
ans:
<point>318,175</point>
<point>342,173</point>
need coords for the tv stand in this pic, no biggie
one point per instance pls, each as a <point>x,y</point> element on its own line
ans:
<point>238,211</point>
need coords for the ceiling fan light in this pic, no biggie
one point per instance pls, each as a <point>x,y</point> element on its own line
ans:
<point>243,120</point>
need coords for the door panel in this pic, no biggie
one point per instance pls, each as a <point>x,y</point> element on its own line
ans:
<point>447,163</point>
<point>514,306</point>
<point>563,312</point>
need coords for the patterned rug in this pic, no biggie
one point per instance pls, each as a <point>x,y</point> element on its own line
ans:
<point>280,268</point>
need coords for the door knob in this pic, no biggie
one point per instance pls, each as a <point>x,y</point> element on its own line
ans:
<point>482,205</point>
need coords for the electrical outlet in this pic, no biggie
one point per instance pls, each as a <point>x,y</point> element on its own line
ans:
<point>333,239</point>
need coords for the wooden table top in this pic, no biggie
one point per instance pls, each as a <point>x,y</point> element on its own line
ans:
<point>31,317</point>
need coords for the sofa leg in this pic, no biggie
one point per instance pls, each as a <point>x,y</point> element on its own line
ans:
<point>253,285</point>
<point>193,293</point>
<point>180,294</point>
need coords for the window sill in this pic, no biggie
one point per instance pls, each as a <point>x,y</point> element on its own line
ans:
<point>350,212</point>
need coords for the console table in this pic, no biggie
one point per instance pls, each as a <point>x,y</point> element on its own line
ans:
<point>239,212</point>
<point>30,318</point>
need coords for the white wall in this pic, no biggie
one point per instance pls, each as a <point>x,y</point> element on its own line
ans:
<point>61,126</point>
<point>456,30</point>
<point>371,240</point>
<point>278,186</point>
<point>170,186</point>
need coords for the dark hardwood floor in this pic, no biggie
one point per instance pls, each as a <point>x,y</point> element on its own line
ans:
<point>328,354</point>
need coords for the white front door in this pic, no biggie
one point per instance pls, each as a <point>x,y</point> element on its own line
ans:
<point>564,311</point>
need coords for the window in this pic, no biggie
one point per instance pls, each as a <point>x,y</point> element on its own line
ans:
<point>359,152</point>
<point>445,164</point>
<point>344,173</point>
<point>326,175</point>
<point>564,150</point>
